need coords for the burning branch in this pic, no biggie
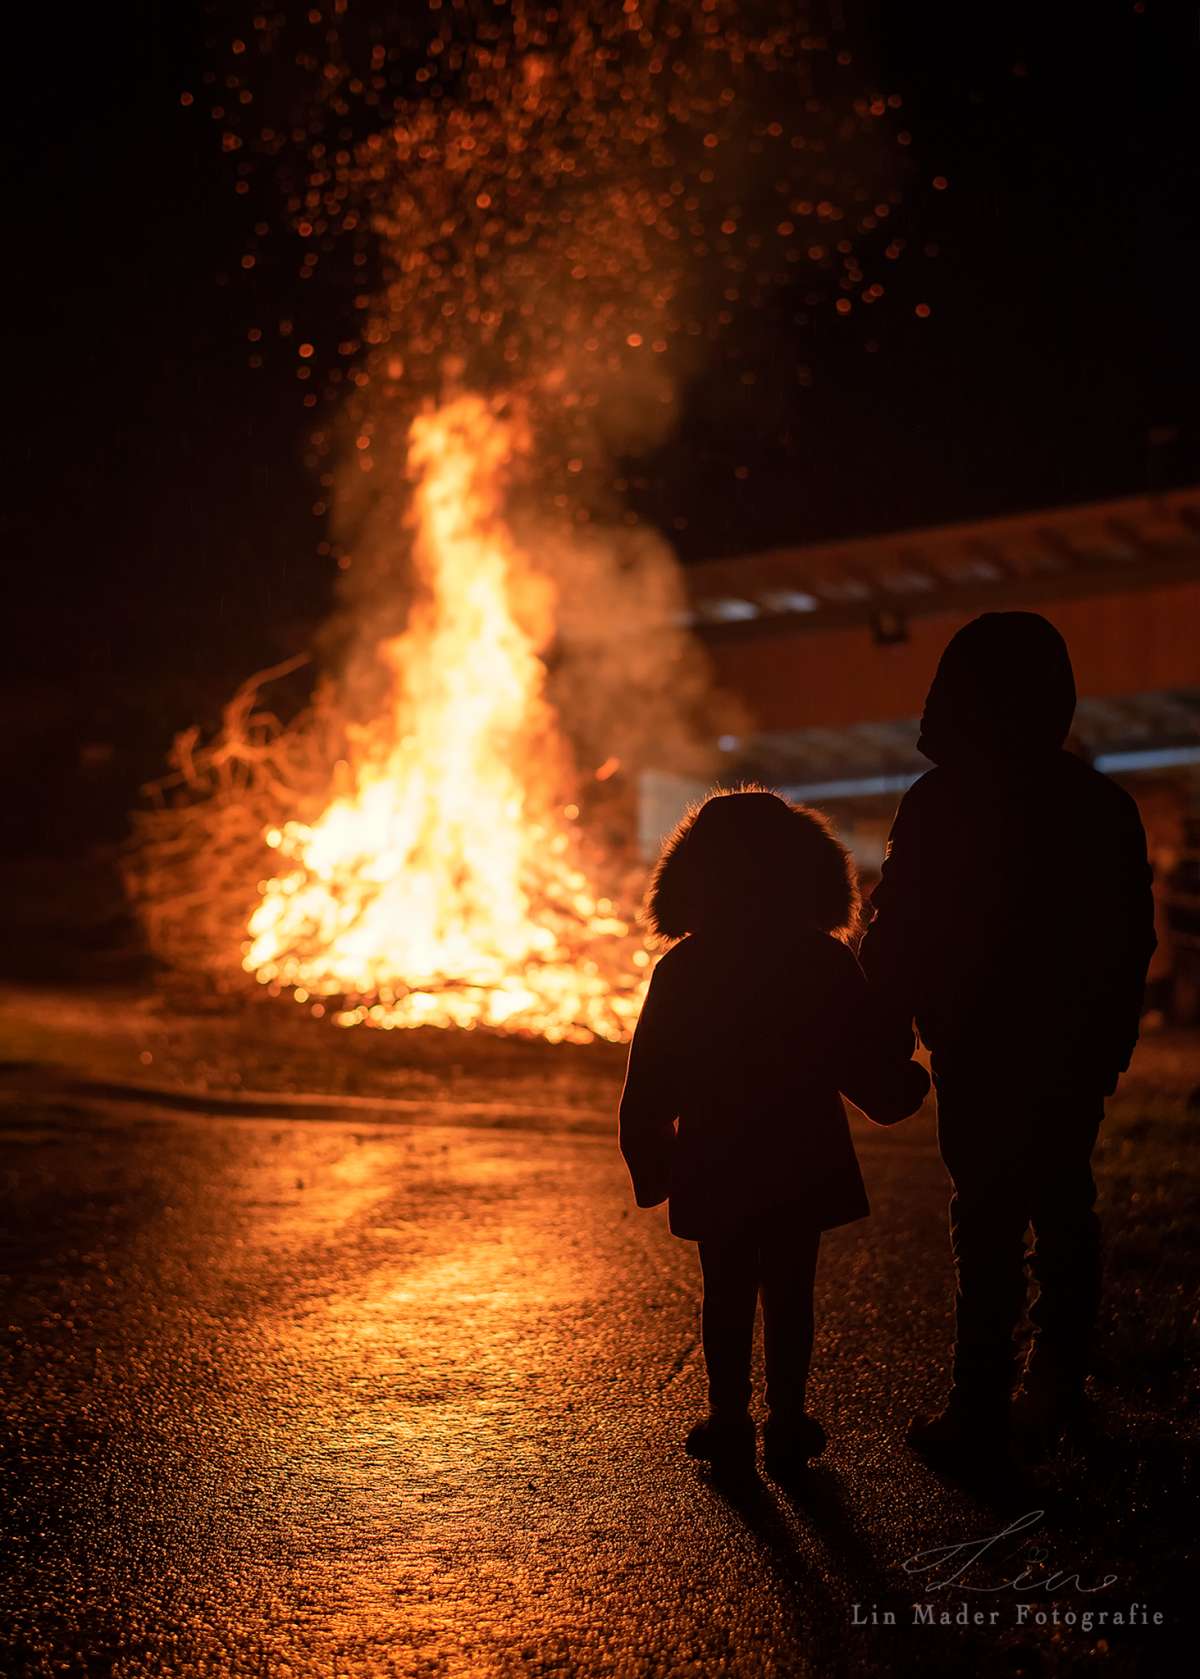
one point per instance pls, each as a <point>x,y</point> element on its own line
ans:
<point>200,838</point>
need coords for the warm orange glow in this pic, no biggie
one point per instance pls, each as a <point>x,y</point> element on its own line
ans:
<point>412,833</point>
<point>444,883</point>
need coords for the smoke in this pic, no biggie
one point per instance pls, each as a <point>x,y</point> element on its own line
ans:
<point>565,212</point>
<point>573,208</point>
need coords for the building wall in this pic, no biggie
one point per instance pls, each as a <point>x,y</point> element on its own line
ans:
<point>1121,643</point>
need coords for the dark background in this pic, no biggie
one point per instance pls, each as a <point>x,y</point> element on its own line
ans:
<point>159,533</point>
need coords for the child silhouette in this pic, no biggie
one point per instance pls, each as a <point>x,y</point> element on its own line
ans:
<point>755,1019</point>
<point>1014,919</point>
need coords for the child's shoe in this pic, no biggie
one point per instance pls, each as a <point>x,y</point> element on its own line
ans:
<point>727,1442</point>
<point>1050,1406</point>
<point>788,1447</point>
<point>964,1436</point>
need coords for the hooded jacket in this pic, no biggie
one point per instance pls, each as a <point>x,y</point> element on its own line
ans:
<point>1013,919</point>
<point>731,1104</point>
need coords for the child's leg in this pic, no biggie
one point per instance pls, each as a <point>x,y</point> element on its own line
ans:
<point>729,1264</point>
<point>988,1218</point>
<point>1066,1254</point>
<point>789,1265</point>
<point>989,1141</point>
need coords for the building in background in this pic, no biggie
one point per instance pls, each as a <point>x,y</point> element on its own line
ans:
<point>826,652</point>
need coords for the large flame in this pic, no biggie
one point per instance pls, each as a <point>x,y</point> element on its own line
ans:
<point>565,206</point>
<point>443,883</point>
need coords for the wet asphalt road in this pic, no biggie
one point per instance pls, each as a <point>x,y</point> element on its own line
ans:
<point>340,1397</point>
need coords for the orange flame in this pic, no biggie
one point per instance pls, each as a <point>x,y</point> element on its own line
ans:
<point>447,883</point>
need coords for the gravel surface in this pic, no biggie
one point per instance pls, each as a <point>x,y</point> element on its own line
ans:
<point>403,1394</point>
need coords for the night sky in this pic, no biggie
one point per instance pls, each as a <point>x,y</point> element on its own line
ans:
<point>158,511</point>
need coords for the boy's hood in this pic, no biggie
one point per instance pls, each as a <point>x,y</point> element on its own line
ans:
<point>1004,689</point>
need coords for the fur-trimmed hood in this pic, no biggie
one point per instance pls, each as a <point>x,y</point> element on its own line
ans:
<point>745,855</point>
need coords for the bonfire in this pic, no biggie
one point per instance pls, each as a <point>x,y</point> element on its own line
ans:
<point>561,211</point>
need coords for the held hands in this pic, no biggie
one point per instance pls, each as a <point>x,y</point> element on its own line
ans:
<point>650,1169</point>
<point>912,1087</point>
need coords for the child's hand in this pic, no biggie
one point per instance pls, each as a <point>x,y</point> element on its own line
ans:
<point>917,1082</point>
<point>915,1085</point>
<point>911,1089</point>
<point>651,1194</point>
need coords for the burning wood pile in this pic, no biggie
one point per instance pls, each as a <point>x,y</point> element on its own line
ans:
<point>586,197</point>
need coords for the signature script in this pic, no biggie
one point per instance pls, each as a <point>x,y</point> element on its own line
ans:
<point>948,1564</point>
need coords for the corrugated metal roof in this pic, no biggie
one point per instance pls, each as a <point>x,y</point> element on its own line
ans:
<point>1138,731</point>
<point>1134,542</point>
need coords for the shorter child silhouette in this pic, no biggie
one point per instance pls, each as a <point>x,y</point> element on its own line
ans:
<point>756,1018</point>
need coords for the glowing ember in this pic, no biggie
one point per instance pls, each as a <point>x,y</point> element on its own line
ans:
<point>541,222</point>
<point>446,881</point>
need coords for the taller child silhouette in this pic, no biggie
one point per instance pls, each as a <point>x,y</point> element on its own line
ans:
<point>1014,921</point>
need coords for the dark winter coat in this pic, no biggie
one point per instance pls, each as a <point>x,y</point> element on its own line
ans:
<point>1014,919</point>
<point>731,1104</point>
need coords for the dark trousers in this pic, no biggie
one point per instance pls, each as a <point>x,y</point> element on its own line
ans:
<point>1021,1161</point>
<point>777,1255</point>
